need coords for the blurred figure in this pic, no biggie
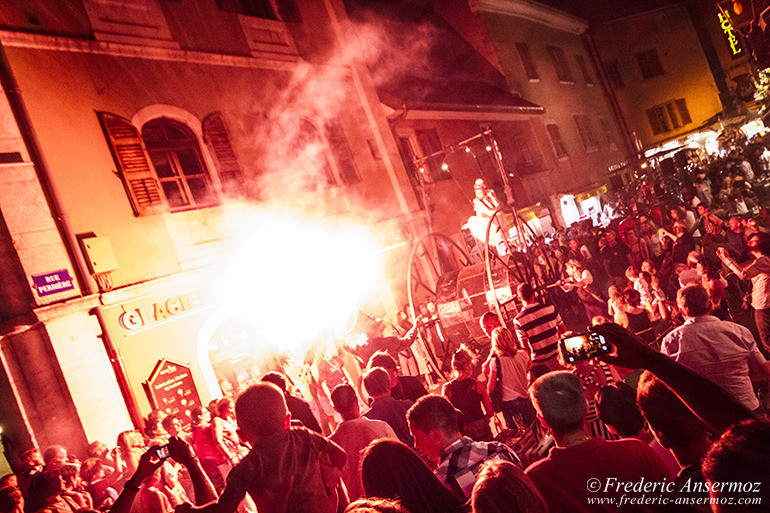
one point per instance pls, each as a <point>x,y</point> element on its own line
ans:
<point>392,470</point>
<point>469,395</point>
<point>502,487</point>
<point>354,434</point>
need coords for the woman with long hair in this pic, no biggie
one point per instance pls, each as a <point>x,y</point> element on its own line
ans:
<point>510,362</point>
<point>469,395</point>
<point>712,282</point>
<point>391,470</point>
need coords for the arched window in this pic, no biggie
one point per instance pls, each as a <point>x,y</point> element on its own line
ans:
<point>176,157</point>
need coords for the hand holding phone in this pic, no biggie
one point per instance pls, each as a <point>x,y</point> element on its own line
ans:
<point>585,346</point>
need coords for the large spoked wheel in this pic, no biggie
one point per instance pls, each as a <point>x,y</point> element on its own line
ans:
<point>434,255</point>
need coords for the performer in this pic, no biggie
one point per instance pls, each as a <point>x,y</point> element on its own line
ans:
<point>582,281</point>
<point>484,204</point>
<point>373,340</point>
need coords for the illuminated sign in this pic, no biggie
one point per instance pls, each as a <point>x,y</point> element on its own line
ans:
<point>53,283</point>
<point>171,389</point>
<point>161,311</point>
<point>736,50</point>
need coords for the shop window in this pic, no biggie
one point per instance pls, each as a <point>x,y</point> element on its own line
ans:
<point>589,79</point>
<point>586,135</point>
<point>649,64</point>
<point>669,116</point>
<point>558,143</point>
<point>560,63</point>
<point>613,74</point>
<point>526,61</point>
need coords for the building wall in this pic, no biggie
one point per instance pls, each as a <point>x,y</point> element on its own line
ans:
<point>562,99</point>
<point>686,74</point>
<point>179,67</point>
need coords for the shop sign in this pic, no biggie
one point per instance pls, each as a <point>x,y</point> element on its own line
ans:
<point>736,50</point>
<point>160,311</point>
<point>590,194</point>
<point>172,390</point>
<point>53,283</point>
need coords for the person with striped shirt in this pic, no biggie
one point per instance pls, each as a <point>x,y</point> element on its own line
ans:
<point>538,327</point>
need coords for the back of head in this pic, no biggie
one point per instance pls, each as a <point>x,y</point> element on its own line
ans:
<point>168,423</point>
<point>617,408</point>
<point>673,422</point>
<point>90,468</point>
<point>558,398</point>
<point>504,342</point>
<point>375,506</point>
<point>741,456</point>
<point>433,412</point>
<point>391,470</point>
<point>261,410</point>
<point>759,241</point>
<point>11,500</point>
<point>377,382</point>
<point>693,300</point>
<point>276,378</point>
<point>526,292</point>
<point>344,399</point>
<point>632,297</point>
<point>382,359</point>
<point>461,359</point>
<point>502,487</point>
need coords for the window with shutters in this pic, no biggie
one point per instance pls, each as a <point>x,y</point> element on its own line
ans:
<point>669,116</point>
<point>176,157</point>
<point>526,61</point>
<point>346,164</point>
<point>558,143</point>
<point>283,10</point>
<point>649,64</point>
<point>609,135</point>
<point>613,74</point>
<point>583,65</point>
<point>133,165</point>
<point>586,134</point>
<point>561,65</point>
<point>430,145</point>
<point>216,135</point>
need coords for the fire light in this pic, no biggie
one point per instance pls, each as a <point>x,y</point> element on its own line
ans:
<point>298,276</point>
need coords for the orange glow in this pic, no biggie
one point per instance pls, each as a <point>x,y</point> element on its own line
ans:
<point>737,8</point>
<point>298,277</point>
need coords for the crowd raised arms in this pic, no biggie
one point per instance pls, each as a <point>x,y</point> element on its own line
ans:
<point>670,299</point>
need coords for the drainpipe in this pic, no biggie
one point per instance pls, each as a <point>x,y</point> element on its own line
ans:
<point>55,204</point>
<point>64,226</point>
<point>120,371</point>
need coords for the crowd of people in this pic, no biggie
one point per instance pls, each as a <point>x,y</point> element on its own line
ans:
<point>679,399</point>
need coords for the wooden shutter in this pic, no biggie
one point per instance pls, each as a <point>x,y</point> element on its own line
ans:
<point>218,138</point>
<point>134,165</point>
<point>342,154</point>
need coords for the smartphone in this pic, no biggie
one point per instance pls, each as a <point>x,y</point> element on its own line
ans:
<point>582,347</point>
<point>161,452</point>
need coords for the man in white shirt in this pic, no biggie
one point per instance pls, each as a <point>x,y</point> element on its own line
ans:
<point>758,272</point>
<point>721,351</point>
<point>354,434</point>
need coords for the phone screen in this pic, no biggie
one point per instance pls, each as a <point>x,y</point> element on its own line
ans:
<point>582,347</point>
<point>162,452</point>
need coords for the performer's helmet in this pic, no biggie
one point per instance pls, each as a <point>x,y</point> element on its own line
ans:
<point>479,184</point>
